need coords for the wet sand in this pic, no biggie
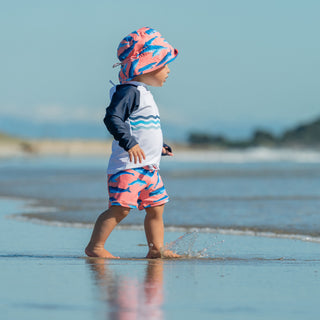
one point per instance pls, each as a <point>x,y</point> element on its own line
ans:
<point>44,274</point>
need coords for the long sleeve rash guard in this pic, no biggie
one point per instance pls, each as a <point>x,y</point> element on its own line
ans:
<point>133,118</point>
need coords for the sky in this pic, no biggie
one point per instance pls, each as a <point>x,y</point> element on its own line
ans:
<point>242,65</point>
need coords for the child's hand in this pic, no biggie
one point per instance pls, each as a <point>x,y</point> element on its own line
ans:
<point>166,151</point>
<point>136,154</point>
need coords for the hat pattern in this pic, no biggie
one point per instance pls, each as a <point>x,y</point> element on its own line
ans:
<point>142,51</point>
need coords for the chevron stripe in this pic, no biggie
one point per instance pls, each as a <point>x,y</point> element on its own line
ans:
<point>146,127</point>
<point>144,117</point>
<point>135,123</point>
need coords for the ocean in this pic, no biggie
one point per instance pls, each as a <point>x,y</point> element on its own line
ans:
<point>262,192</point>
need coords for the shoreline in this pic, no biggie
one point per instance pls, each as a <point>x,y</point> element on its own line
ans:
<point>19,147</point>
<point>53,147</point>
<point>15,147</point>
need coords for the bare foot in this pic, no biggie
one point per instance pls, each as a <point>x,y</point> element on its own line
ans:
<point>153,254</point>
<point>170,254</point>
<point>156,254</point>
<point>99,253</point>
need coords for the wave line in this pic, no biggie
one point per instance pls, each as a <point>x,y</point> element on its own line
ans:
<point>218,230</point>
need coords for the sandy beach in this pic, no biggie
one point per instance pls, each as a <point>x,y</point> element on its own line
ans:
<point>51,147</point>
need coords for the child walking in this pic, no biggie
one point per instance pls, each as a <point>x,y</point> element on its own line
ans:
<point>133,119</point>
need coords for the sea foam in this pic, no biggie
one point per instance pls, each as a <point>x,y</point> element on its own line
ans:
<point>258,154</point>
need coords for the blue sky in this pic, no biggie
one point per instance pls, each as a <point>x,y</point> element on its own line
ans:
<point>241,64</point>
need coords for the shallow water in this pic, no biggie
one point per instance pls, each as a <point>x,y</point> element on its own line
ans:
<point>44,274</point>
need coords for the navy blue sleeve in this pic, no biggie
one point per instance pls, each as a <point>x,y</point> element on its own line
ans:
<point>124,101</point>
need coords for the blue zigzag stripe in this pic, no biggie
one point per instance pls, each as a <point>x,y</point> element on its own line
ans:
<point>144,117</point>
<point>134,123</point>
<point>145,127</point>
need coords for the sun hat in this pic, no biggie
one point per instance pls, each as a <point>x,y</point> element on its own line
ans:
<point>142,51</point>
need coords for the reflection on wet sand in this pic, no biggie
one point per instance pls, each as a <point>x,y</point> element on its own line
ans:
<point>128,297</point>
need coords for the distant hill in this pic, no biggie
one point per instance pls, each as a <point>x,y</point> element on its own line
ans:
<point>301,136</point>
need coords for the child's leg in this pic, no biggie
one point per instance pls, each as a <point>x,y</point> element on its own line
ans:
<point>104,225</point>
<point>154,229</point>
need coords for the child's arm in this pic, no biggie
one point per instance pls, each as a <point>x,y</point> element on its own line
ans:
<point>123,103</point>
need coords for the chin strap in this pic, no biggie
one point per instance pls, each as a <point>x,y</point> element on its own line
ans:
<point>117,64</point>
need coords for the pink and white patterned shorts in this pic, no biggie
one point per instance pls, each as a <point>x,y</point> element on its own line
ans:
<point>136,188</point>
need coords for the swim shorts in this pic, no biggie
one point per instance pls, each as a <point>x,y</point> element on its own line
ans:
<point>136,188</point>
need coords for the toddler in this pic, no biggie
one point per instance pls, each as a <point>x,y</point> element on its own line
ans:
<point>133,119</point>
